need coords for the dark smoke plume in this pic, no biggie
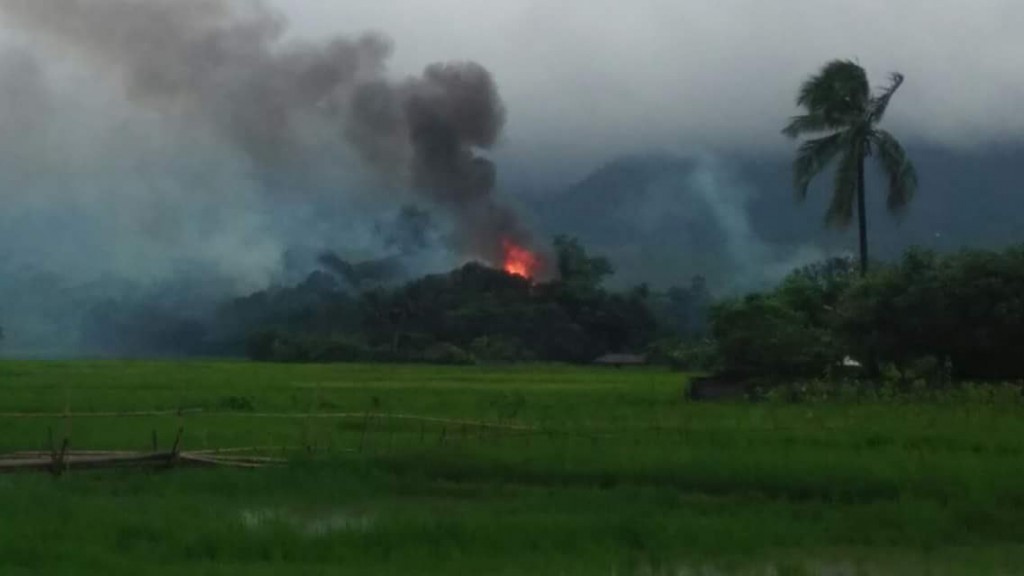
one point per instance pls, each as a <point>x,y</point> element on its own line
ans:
<point>286,104</point>
<point>453,110</point>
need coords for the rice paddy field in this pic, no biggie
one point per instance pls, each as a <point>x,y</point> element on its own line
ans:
<point>502,470</point>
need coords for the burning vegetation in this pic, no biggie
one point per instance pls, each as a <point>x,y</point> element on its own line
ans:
<point>519,261</point>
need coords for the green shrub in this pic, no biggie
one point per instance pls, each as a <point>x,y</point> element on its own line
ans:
<point>761,335</point>
<point>692,356</point>
<point>940,317</point>
<point>498,349</point>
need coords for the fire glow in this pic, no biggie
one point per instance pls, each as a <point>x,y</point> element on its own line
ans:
<point>518,260</point>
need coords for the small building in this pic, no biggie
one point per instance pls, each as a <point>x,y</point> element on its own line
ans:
<point>620,360</point>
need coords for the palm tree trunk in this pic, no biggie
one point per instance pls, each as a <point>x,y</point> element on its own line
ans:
<point>871,363</point>
<point>862,217</point>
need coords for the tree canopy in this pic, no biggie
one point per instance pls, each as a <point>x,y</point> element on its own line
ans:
<point>473,313</point>
<point>937,316</point>
<point>842,115</point>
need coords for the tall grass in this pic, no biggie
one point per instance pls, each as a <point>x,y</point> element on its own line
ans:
<point>540,469</point>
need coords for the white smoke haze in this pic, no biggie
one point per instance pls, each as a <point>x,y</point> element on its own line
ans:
<point>754,262</point>
<point>146,140</point>
<point>663,218</point>
<point>300,114</point>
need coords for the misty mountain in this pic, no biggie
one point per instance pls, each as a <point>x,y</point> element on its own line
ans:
<point>663,219</point>
<point>966,199</point>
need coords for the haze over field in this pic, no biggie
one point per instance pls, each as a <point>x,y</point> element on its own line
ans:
<point>188,150</point>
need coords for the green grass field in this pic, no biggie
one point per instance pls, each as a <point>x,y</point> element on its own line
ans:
<point>510,470</point>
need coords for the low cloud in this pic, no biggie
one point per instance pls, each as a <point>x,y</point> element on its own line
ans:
<point>591,79</point>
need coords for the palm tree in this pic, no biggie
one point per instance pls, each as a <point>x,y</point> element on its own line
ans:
<point>841,109</point>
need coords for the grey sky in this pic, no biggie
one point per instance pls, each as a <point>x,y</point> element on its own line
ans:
<point>592,78</point>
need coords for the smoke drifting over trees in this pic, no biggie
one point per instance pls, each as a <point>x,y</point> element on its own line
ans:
<point>289,105</point>
<point>143,142</point>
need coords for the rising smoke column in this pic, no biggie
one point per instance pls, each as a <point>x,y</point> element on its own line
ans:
<point>284,104</point>
<point>452,111</point>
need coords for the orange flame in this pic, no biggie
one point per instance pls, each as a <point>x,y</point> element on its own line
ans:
<point>518,260</point>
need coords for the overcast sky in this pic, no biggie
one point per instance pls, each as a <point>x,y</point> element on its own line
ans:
<point>585,79</point>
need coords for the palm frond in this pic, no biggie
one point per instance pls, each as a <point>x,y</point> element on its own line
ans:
<point>812,157</point>
<point>880,103</point>
<point>840,210</point>
<point>838,93</point>
<point>898,168</point>
<point>806,124</point>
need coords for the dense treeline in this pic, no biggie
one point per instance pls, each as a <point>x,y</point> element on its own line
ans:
<point>929,316</point>
<point>472,314</point>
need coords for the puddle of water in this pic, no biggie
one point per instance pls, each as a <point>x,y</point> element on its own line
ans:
<point>776,569</point>
<point>337,522</point>
<point>816,568</point>
<point>316,525</point>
